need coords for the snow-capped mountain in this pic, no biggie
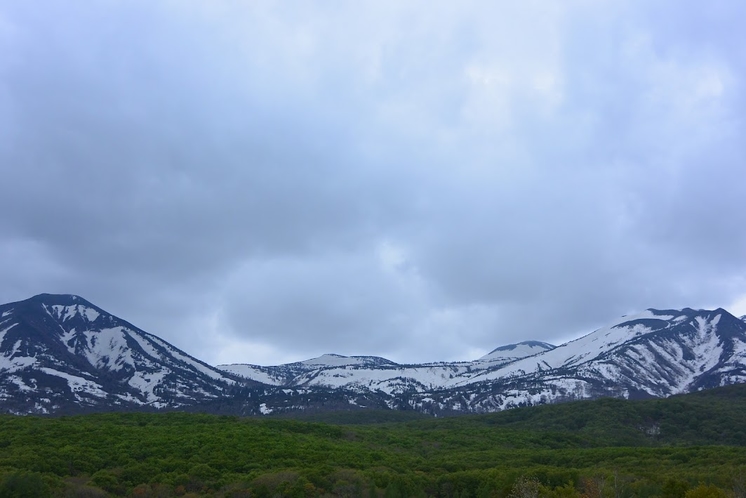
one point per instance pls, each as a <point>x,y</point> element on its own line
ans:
<point>652,354</point>
<point>656,352</point>
<point>59,352</point>
<point>372,373</point>
<point>62,354</point>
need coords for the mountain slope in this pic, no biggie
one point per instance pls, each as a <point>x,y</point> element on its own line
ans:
<point>655,353</point>
<point>652,354</point>
<point>59,352</point>
<point>372,373</point>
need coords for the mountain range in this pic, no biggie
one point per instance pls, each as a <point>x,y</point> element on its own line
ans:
<point>62,354</point>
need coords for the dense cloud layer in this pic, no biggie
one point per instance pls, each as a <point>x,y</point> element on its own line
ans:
<point>424,181</point>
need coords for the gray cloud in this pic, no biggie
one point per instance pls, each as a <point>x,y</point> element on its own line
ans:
<point>268,182</point>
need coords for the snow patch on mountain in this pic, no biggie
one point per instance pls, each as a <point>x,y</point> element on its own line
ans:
<point>9,362</point>
<point>65,313</point>
<point>77,384</point>
<point>266,375</point>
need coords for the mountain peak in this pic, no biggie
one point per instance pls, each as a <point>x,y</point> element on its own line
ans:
<point>338,360</point>
<point>530,344</point>
<point>74,355</point>
<point>59,299</point>
<point>510,352</point>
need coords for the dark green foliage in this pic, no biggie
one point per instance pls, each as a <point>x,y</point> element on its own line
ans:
<point>703,491</point>
<point>674,488</point>
<point>715,416</point>
<point>23,485</point>
<point>601,448</point>
<point>105,479</point>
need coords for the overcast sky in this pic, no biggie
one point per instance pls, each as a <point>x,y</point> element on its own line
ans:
<point>264,182</point>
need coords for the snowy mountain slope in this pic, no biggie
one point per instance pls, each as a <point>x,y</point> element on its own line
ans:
<point>582,349</point>
<point>653,354</point>
<point>368,373</point>
<point>664,341</point>
<point>61,351</point>
<point>286,375</point>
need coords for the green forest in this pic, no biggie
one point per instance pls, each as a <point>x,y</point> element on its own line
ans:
<point>685,446</point>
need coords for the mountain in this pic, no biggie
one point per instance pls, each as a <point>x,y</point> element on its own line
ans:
<point>656,353</point>
<point>372,373</point>
<point>60,353</point>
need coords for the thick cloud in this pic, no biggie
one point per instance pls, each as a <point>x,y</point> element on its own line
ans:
<point>271,181</point>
